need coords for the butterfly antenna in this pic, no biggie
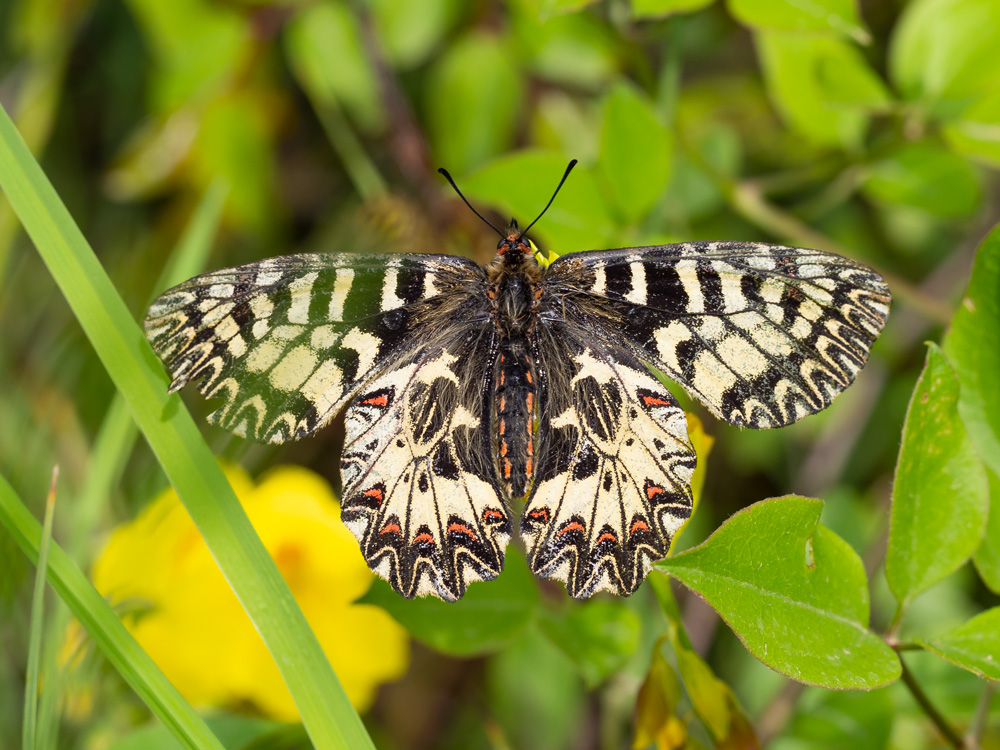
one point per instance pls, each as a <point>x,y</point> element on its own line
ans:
<point>448,177</point>
<point>565,175</point>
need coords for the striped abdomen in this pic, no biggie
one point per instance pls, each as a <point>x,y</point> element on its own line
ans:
<point>514,408</point>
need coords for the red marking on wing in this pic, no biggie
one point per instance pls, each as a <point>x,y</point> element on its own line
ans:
<point>655,401</point>
<point>606,535</point>
<point>503,447</point>
<point>571,526</point>
<point>540,513</point>
<point>424,538</point>
<point>382,401</point>
<point>375,492</point>
<point>490,513</point>
<point>652,491</point>
<point>390,528</point>
<point>531,401</point>
<point>506,468</point>
<point>639,525</point>
<point>462,529</point>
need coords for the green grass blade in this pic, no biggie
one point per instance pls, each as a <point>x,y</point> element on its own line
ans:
<point>118,431</point>
<point>29,731</point>
<point>326,712</point>
<point>94,613</point>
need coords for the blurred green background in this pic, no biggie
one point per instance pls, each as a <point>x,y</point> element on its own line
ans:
<point>872,130</point>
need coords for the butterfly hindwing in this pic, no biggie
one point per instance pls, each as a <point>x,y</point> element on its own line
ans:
<point>418,492</point>
<point>762,334</point>
<point>614,473</point>
<point>286,340</point>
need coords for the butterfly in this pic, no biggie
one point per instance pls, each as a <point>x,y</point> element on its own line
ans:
<point>467,387</point>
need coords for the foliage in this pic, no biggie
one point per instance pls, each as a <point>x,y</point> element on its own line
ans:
<point>871,130</point>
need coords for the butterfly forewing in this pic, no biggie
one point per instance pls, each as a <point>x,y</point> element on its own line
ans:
<point>285,341</point>
<point>761,334</point>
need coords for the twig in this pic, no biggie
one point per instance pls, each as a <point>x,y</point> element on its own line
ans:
<point>777,713</point>
<point>948,731</point>
<point>974,737</point>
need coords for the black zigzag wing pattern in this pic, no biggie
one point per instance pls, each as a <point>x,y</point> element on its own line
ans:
<point>419,492</point>
<point>761,334</point>
<point>614,474</point>
<point>284,342</point>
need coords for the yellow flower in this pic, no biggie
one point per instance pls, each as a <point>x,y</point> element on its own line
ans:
<point>190,622</point>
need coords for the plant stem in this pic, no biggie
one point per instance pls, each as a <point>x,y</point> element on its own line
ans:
<point>946,729</point>
<point>973,738</point>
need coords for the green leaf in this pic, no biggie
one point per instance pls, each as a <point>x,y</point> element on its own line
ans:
<point>178,445</point>
<point>598,636</point>
<point>928,177</point>
<point>797,69</point>
<point>973,645</point>
<point>635,155</point>
<point>828,720</point>
<point>939,496</point>
<point>410,32</point>
<point>846,79</point>
<point>535,693</point>
<point>987,557</point>
<point>576,49</point>
<point>486,619</point>
<point>324,47</point>
<point>794,15</point>
<point>944,51</point>
<point>660,8</point>
<point>577,220</point>
<point>973,348</point>
<point>474,101</point>
<point>976,132</point>
<point>793,591</point>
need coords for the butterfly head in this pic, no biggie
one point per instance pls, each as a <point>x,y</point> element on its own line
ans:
<point>512,243</point>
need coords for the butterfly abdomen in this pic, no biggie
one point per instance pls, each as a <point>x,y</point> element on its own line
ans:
<point>515,405</point>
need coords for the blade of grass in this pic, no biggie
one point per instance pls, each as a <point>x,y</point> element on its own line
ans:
<point>326,712</point>
<point>111,450</point>
<point>29,732</point>
<point>96,615</point>
<point>118,430</point>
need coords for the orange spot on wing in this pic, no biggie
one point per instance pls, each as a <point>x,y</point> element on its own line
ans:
<point>503,426</point>
<point>652,491</point>
<point>606,535</point>
<point>528,467</point>
<point>506,469</point>
<point>639,525</point>
<point>423,539</point>
<point>655,401</point>
<point>540,513</point>
<point>462,529</point>
<point>390,528</point>
<point>375,492</point>
<point>572,526</point>
<point>531,401</point>
<point>490,513</point>
<point>382,401</point>
<point>503,447</point>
